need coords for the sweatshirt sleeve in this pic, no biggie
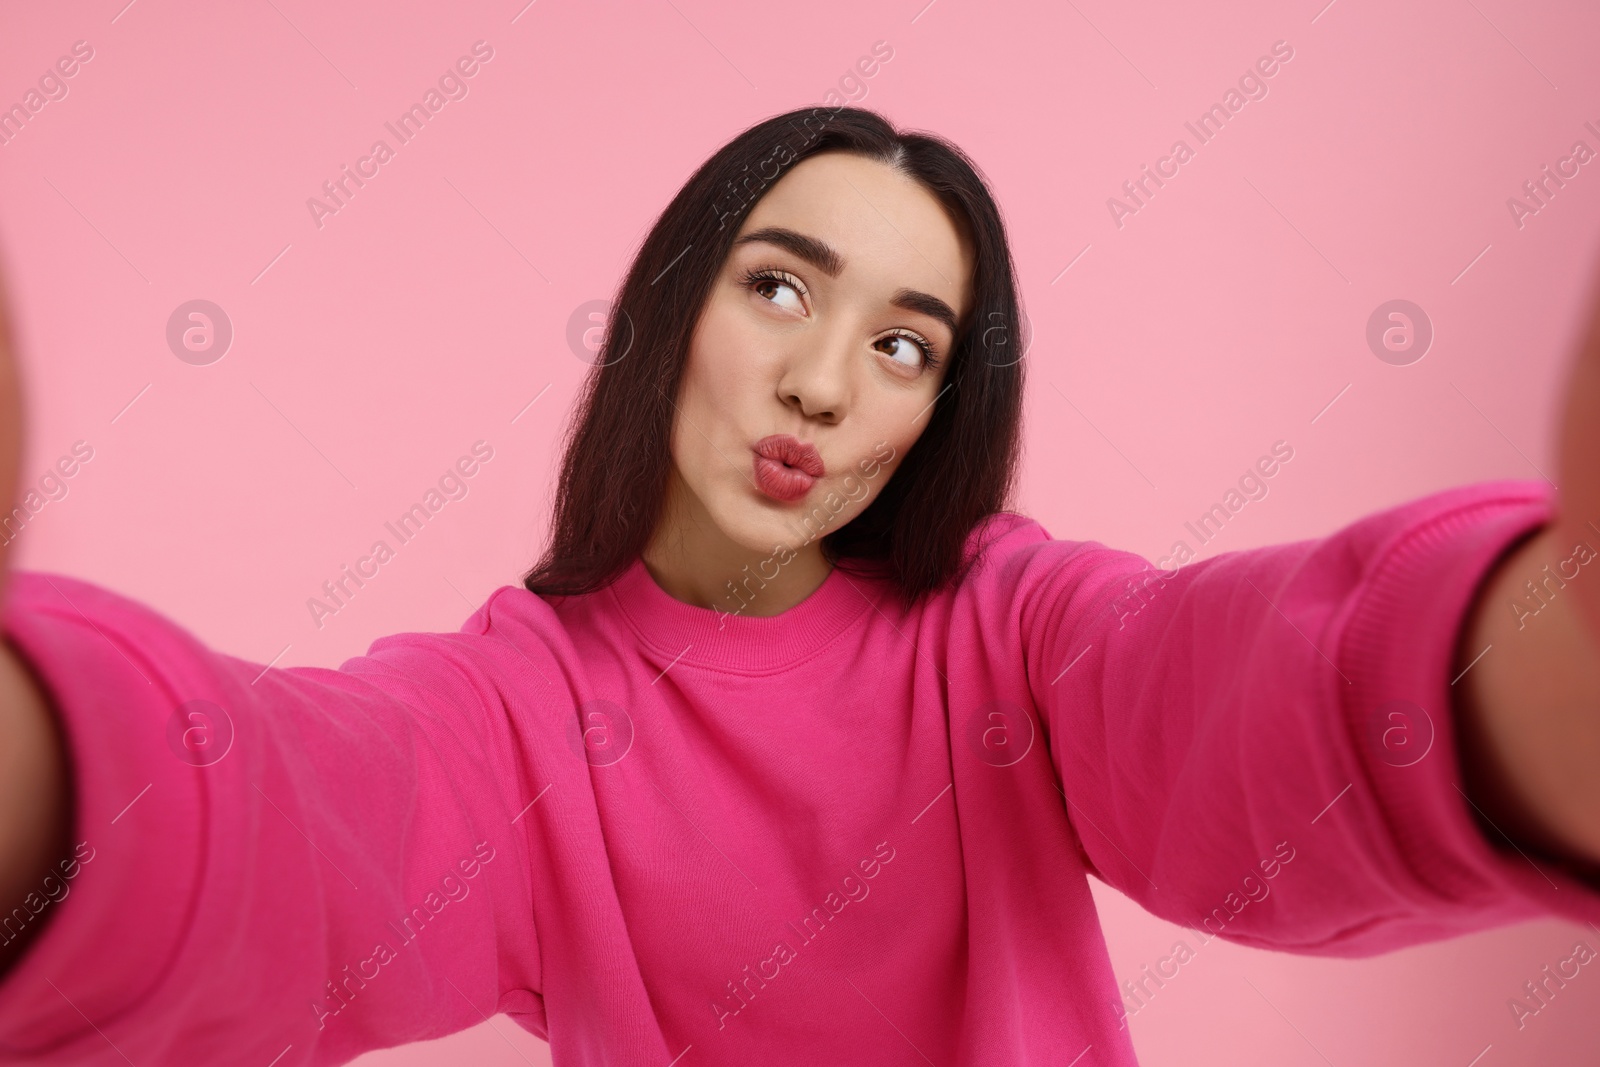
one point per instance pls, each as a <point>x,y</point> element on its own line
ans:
<point>286,866</point>
<point>1261,744</point>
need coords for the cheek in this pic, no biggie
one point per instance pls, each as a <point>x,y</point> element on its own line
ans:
<point>695,404</point>
<point>872,461</point>
<point>717,388</point>
<point>733,368</point>
<point>713,405</point>
<point>879,455</point>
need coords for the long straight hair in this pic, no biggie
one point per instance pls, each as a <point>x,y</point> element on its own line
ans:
<point>617,462</point>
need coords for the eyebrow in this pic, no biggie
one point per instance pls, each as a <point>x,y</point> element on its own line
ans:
<point>825,258</point>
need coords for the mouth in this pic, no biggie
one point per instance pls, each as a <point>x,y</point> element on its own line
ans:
<point>785,467</point>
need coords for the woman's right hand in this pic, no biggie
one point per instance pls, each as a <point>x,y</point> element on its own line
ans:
<point>33,775</point>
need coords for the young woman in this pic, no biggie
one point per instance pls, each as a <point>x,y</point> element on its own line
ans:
<point>797,747</point>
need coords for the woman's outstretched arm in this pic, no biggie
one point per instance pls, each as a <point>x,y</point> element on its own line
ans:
<point>203,861</point>
<point>300,861</point>
<point>1264,744</point>
<point>1342,745</point>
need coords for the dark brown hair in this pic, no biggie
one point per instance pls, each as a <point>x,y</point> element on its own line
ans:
<point>615,471</point>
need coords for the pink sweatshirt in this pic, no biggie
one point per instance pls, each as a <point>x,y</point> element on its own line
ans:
<point>848,833</point>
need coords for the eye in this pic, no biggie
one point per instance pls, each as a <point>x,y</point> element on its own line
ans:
<point>911,350</point>
<point>770,285</point>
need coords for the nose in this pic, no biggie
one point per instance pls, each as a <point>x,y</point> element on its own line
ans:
<point>817,377</point>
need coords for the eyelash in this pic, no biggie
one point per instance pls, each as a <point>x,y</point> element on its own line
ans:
<point>930,353</point>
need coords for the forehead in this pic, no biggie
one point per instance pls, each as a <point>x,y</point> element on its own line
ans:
<point>890,230</point>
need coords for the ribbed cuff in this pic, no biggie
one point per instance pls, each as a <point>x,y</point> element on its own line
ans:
<point>139,808</point>
<point>1425,584</point>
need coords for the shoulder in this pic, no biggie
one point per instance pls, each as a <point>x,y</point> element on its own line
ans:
<point>1000,543</point>
<point>1012,563</point>
<point>513,635</point>
<point>999,532</point>
<point>996,554</point>
<point>514,605</point>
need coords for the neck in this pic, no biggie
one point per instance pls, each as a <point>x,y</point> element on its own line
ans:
<point>692,560</point>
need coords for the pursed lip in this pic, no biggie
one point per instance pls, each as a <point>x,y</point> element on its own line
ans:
<point>791,451</point>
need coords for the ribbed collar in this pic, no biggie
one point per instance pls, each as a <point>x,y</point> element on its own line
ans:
<point>741,643</point>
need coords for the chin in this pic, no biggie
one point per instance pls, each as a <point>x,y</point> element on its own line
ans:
<point>760,525</point>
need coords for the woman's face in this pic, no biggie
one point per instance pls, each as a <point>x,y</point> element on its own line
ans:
<point>831,322</point>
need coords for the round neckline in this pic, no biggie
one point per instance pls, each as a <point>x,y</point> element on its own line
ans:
<point>709,637</point>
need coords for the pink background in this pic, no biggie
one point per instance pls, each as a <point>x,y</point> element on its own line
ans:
<point>1223,316</point>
